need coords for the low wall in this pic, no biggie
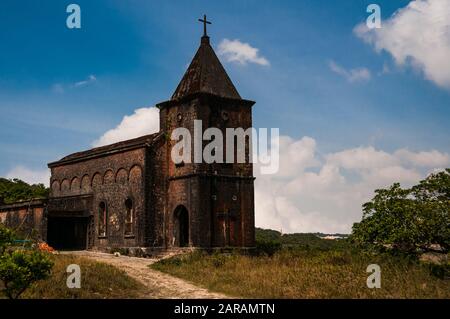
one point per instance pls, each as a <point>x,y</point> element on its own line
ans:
<point>26,217</point>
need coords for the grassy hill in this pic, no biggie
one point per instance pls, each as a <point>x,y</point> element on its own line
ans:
<point>306,240</point>
<point>306,266</point>
<point>98,281</point>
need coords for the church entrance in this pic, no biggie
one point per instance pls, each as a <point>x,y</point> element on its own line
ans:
<point>181,227</point>
<point>68,233</point>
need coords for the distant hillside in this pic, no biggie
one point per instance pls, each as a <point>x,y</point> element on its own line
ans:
<point>312,240</point>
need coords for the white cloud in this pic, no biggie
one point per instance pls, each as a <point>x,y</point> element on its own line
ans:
<point>142,122</point>
<point>240,52</point>
<point>91,79</point>
<point>362,158</point>
<point>352,75</point>
<point>300,155</point>
<point>424,159</point>
<point>313,192</point>
<point>416,35</point>
<point>60,88</point>
<point>385,176</point>
<point>30,176</point>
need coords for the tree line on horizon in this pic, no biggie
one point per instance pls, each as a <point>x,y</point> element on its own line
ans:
<point>14,190</point>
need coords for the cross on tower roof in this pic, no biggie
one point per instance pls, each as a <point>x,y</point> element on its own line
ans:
<point>205,22</point>
<point>206,74</point>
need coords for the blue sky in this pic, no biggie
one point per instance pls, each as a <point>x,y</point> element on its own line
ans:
<point>136,53</point>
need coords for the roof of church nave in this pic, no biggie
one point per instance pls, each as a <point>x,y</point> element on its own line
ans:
<point>138,142</point>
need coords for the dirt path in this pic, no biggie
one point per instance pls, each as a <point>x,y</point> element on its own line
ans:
<point>158,284</point>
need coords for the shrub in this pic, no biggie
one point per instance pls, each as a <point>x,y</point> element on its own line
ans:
<point>267,235</point>
<point>441,271</point>
<point>6,238</point>
<point>266,247</point>
<point>20,268</point>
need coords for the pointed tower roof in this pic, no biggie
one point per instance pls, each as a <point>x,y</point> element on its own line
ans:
<point>206,74</point>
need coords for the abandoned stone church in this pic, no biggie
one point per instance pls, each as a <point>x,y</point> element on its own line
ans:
<point>132,195</point>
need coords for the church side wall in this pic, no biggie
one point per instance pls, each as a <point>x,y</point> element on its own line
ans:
<point>111,180</point>
<point>156,190</point>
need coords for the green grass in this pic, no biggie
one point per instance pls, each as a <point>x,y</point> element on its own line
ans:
<point>307,273</point>
<point>98,280</point>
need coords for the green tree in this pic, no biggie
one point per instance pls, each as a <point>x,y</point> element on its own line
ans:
<point>12,190</point>
<point>433,200</point>
<point>20,268</point>
<point>408,219</point>
<point>6,238</point>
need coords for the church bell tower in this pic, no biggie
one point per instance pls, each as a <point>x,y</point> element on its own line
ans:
<point>207,204</point>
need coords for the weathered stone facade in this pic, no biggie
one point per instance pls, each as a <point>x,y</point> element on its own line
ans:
<point>131,194</point>
<point>223,191</point>
<point>109,175</point>
<point>26,216</point>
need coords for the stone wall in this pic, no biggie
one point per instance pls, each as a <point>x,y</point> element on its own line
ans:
<point>111,179</point>
<point>27,217</point>
<point>156,193</point>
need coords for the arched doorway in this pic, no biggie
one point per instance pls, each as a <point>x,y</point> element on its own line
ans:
<point>181,226</point>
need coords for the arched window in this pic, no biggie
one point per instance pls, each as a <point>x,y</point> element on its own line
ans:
<point>102,219</point>
<point>129,217</point>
